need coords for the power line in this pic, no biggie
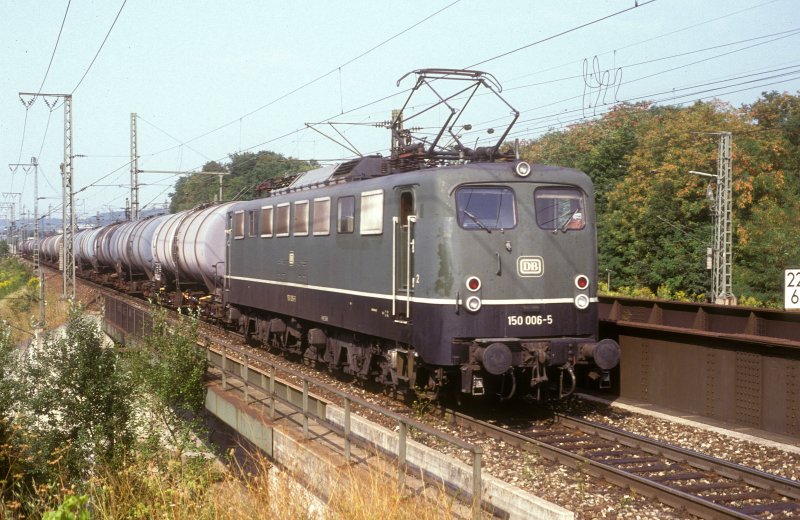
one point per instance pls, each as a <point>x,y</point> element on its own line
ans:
<point>637,4</point>
<point>692,95</point>
<point>562,33</point>
<point>318,78</point>
<point>101,47</point>
<point>41,86</point>
<point>682,29</point>
<point>663,58</point>
<point>171,136</point>
<point>53,55</point>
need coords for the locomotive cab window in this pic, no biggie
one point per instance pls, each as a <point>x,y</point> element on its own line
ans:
<point>486,207</point>
<point>238,225</point>
<point>560,209</point>
<point>346,214</point>
<point>301,218</point>
<point>372,212</point>
<point>266,222</point>
<point>282,220</point>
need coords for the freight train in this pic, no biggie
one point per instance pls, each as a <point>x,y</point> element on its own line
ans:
<point>464,271</point>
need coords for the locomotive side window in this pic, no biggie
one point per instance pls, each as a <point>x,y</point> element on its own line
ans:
<point>486,208</point>
<point>266,221</point>
<point>322,216</point>
<point>346,215</point>
<point>282,220</point>
<point>238,224</point>
<point>372,212</point>
<point>251,223</point>
<point>300,227</point>
<point>559,208</point>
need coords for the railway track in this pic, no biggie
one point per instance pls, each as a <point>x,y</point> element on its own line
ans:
<point>696,483</point>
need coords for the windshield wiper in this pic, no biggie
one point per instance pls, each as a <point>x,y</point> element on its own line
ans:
<point>571,216</point>
<point>477,221</point>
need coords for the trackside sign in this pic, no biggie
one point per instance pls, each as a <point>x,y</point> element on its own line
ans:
<point>791,289</point>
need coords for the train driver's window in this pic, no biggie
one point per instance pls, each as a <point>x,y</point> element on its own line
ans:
<point>486,207</point>
<point>560,208</point>
<point>346,214</point>
<point>238,224</point>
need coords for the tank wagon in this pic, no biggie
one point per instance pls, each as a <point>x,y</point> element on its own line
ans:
<point>461,270</point>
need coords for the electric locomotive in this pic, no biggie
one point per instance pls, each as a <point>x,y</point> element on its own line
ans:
<point>466,270</point>
<point>441,268</point>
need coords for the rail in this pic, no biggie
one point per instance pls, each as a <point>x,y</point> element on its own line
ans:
<point>609,453</point>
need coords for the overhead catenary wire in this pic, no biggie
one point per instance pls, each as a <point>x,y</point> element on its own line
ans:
<point>670,92</point>
<point>100,48</point>
<point>86,72</point>
<point>318,78</point>
<point>469,67</point>
<point>791,32</point>
<point>41,86</point>
<point>562,33</point>
<point>291,133</point>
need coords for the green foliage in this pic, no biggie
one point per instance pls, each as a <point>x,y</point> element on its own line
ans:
<point>73,508</point>
<point>8,396</point>
<point>654,222</point>
<point>78,404</point>
<point>68,422</point>
<point>246,170</point>
<point>171,370</point>
<point>4,248</point>
<point>13,275</point>
<point>8,388</point>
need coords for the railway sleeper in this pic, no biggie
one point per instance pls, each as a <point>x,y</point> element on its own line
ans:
<point>738,497</point>
<point>773,507</point>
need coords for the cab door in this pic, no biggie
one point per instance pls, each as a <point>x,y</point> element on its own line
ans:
<point>403,253</point>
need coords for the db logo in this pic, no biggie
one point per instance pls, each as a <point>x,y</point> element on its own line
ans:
<point>530,266</point>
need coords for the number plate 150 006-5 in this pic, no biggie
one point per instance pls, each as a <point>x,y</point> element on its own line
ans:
<point>530,320</point>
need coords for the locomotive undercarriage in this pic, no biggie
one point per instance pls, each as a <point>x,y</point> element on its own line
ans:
<point>498,369</point>
<point>366,359</point>
<point>537,369</point>
<point>541,369</point>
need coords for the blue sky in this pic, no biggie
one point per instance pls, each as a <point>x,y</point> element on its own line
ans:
<point>211,78</point>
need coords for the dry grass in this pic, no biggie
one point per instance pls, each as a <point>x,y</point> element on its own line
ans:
<point>201,490</point>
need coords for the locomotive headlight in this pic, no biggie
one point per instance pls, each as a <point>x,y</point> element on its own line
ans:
<point>473,304</point>
<point>522,169</point>
<point>473,283</point>
<point>581,301</point>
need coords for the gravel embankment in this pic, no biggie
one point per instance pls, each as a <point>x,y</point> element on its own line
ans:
<point>588,497</point>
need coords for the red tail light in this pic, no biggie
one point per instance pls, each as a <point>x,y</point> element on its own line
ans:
<point>473,283</point>
<point>581,281</point>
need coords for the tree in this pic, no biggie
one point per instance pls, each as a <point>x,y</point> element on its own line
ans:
<point>8,397</point>
<point>77,407</point>
<point>170,369</point>
<point>245,171</point>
